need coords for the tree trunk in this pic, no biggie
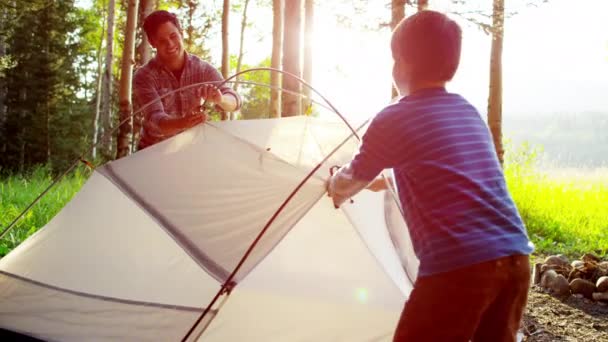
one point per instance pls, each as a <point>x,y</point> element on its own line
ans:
<point>144,49</point>
<point>239,61</point>
<point>126,76</point>
<point>190,38</point>
<point>275,62</point>
<point>495,96</point>
<point>106,114</point>
<point>397,14</point>
<point>2,79</point>
<point>309,17</point>
<point>22,114</point>
<point>225,37</point>
<point>292,57</point>
<point>99,90</point>
<point>422,5</point>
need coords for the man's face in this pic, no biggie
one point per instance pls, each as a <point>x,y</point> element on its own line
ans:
<point>169,44</point>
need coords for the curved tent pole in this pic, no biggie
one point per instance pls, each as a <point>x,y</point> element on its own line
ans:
<point>124,121</point>
<point>229,284</point>
<point>303,82</point>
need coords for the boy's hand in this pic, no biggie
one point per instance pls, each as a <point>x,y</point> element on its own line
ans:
<point>337,200</point>
<point>378,184</point>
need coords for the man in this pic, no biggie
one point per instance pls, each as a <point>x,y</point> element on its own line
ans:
<point>167,108</point>
<point>466,231</point>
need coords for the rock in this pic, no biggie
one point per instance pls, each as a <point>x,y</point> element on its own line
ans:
<point>557,283</point>
<point>548,278</point>
<point>577,264</point>
<point>560,286</point>
<point>600,296</point>
<point>536,273</point>
<point>602,284</point>
<point>588,257</point>
<point>556,260</point>
<point>602,269</point>
<point>582,286</point>
<point>564,258</point>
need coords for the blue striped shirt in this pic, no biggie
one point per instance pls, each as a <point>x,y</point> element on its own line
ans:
<point>449,180</point>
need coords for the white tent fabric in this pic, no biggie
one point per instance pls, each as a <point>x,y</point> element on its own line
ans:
<point>149,240</point>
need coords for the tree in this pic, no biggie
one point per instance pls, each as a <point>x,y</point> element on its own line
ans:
<point>225,37</point>
<point>239,61</point>
<point>108,79</point>
<point>126,76</point>
<point>495,94</point>
<point>422,5</point>
<point>309,7</point>
<point>144,50</point>
<point>99,84</point>
<point>47,95</point>
<point>277,39</point>
<point>292,57</point>
<point>397,14</point>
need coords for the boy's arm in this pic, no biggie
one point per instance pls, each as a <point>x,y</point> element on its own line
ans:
<point>376,153</point>
<point>343,186</point>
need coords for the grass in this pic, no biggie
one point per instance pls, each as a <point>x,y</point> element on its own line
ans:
<point>564,212</point>
<point>18,191</point>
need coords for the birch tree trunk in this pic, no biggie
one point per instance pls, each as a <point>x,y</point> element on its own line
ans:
<point>98,94</point>
<point>144,49</point>
<point>292,104</point>
<point>309,17</point>
<point>126,77</point>
<point>495,95</point>
<point>225,37</point>
<point>239,61</point>
<point>106,113</point>
<point>275,62</point>
<point>422,5</point>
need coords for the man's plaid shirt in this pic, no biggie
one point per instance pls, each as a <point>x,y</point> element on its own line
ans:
<point>154,90</point>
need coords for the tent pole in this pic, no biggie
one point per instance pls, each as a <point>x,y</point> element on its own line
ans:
<point>219,307</point>
<point>229,284</point>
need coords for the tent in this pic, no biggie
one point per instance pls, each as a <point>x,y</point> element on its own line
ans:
<point>143,249</point>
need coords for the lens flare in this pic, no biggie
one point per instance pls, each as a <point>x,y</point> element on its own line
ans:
<point>362,295</point>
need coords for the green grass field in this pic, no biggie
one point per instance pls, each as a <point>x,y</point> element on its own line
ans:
<point>17,192</point>
<point>565,213</point>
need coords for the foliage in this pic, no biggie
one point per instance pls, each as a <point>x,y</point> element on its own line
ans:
<point>562,214</point>
<point>256,98</point>
<point>46,110</point>
<point>17,192</point>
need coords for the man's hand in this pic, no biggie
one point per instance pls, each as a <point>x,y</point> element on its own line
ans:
<point>170,126</point>
<point>211,93</point>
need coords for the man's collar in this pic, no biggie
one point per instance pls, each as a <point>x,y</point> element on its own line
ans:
<point>155,62</point>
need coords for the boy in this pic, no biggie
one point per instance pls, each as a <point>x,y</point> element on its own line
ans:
<point>472,245</point>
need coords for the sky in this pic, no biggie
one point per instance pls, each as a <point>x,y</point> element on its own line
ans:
<point>555,57</point>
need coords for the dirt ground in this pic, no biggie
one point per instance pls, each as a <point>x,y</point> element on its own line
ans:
<point>548,318</point>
